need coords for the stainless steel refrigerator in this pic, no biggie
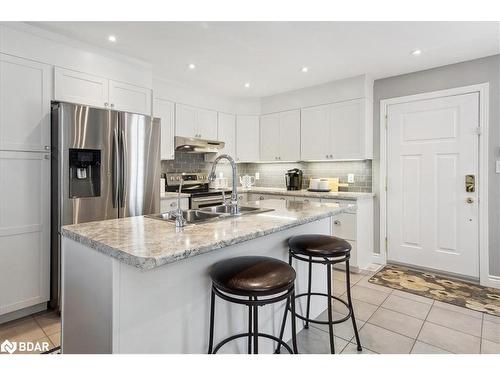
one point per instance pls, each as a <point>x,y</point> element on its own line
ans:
<point>105,165</point>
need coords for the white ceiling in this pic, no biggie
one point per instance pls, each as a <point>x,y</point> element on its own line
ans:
<point>270,55</point>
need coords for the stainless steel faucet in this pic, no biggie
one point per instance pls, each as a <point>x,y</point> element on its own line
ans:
<point>177,213</point>
<point>234,194</point>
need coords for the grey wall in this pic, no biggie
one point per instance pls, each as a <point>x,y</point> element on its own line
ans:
<point>463,74</point>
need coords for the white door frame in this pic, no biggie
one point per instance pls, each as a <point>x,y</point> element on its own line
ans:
<point>483,89</point>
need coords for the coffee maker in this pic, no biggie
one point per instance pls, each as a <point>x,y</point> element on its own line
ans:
<point>293,179</point>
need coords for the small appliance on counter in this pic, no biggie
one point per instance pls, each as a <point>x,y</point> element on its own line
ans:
<point>323,184</point>
<point>247,181</point>
<point>293,179</point>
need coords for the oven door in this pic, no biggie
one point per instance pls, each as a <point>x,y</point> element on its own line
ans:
<point>206,201</point>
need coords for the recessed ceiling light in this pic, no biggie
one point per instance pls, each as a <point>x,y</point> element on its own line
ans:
<point>191,66</point>
<point>247,85</point>
<point>305,69</point>
<point>112,38</point>
<point>416,52</point>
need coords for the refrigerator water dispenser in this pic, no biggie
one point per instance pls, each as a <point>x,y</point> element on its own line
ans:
<point>84,173</point>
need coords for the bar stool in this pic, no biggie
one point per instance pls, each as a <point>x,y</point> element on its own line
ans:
<point>253,281</point>
<point>327,250</point>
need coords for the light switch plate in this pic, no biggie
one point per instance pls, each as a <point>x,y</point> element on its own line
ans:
<point>497,167</point>
<point>257,175</point>
<point>350,178</point>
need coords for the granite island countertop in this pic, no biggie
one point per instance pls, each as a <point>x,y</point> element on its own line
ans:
<point>148,243</point>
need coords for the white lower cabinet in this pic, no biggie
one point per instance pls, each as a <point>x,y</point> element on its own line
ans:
<point>171,204</point>
<point>24,229</point>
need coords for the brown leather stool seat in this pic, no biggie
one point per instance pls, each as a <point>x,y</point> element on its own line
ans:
<point>319,245</point>
<point>252,275</point>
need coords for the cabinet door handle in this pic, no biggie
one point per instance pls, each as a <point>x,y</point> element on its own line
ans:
<point>106,104</point>
<point>261,198</point>
<point>47,157</point>
<point>337,222</point>
<point>112,105</point>
<point>47,148</point>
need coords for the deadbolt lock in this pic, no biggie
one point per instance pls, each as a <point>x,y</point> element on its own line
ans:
<point>470,183</point>
<point>470,200</point>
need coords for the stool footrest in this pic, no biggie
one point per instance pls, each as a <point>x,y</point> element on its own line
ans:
<point>323,321</point>
<point>239,335</point>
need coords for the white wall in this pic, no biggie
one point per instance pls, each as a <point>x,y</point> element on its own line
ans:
<point>177,93</point>
<point>331,92</point>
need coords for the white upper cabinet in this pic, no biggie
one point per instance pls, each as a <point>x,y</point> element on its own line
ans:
<point>337,131</point>
<point>348,130</point>
<point>76,87</point>
<point>25,94</point>
<point>270,137</point>
<point>280,136</point>
<point>289,140</point>
<point>82,88</point>
<point>129,98</point>
<point>247,138</point>
<point>195,122</point>
<point>165,111</point>
<point>315,139</point>
<point>226,131</point>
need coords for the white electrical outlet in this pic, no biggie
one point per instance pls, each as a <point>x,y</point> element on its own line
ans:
<point>350,178</point>
<point>497,166</point>
<point>257,175</point>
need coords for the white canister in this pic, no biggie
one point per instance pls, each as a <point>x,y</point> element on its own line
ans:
<point>323,184</point>
<point>314,183</point>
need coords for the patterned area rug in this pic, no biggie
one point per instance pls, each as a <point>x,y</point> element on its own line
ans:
<point>440,288</point>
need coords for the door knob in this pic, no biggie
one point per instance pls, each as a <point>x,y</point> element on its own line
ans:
<point>470,200</point>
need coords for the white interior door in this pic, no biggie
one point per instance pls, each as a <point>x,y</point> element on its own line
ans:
<point>432,221</point>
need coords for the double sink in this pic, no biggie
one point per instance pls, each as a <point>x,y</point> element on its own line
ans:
<point>209,213</point>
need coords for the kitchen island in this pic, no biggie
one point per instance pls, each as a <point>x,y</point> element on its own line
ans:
<point>141,285</point>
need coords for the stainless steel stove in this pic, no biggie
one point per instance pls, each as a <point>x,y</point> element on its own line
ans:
<point>197,185</point>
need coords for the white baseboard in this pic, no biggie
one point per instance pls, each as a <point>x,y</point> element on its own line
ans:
<point>491,281</point>
<point>23,312</point>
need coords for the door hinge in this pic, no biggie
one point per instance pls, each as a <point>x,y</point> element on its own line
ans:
<point>385,183</point>
<point>386,244</point>
<point>478,130</point>
<point>386,121</point>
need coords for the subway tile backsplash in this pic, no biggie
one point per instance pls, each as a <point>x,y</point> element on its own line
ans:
<point>272,174</point>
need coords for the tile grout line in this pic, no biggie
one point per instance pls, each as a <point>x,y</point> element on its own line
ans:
<point>422,326</point>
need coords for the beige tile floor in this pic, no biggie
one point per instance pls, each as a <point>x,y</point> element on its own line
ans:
<point>41,327</point>
<point>389,322</point>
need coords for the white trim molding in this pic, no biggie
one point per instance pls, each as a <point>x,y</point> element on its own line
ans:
<point>485,278</point>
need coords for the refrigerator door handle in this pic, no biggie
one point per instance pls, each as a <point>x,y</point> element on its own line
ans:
<point>115,169</point>
<point>123,168</point>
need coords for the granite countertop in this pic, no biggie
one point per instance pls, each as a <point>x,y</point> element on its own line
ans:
<point>304,193</point>
<point>149,243</point>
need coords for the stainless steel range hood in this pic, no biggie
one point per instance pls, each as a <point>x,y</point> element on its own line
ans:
<point>197,145</point>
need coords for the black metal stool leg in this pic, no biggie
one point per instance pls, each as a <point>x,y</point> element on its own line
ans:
<point>330,306</point>
<point>351,308</point>
<point>283,324</point>
<point>294,328</point>
<point>306,326</point>
<point>255,328</point>
<point>212,318</point>
<point>250,327</point>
